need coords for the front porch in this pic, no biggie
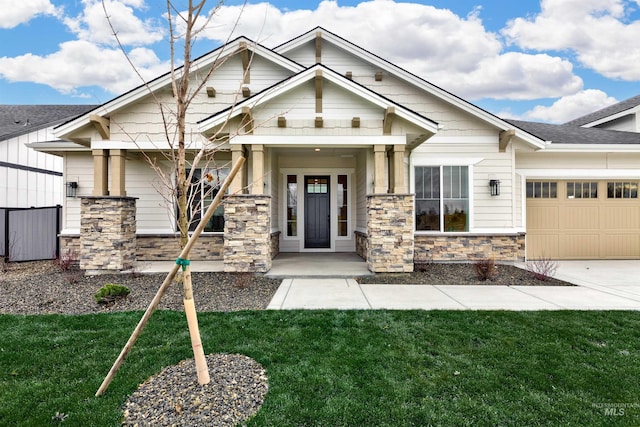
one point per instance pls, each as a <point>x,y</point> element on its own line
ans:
<point>316,265</point>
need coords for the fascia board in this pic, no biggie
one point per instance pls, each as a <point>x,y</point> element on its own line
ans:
<point>415,81</point>
<point>612,117</point>
<point>592,148</point>
<point>164,80</point>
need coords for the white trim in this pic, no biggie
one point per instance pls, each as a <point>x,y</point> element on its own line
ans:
<point>479,232</point>
<point>165,79</point>
<point>69,232</point>
<point>333,194</point>
<point>470,181</point>
<point>338,141</point>
<point>607,119</point>
<point>140,146</point>
<point>593,148</point>
<point>440,139</point>
<point>578,173</point>
<point>412,79</point>
<point>444,161</point>
<point>331,76</point>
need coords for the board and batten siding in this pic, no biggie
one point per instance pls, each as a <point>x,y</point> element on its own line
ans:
<point>22,188</point>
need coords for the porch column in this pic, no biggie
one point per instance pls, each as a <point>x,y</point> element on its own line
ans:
<point>237,184</point>
<point>257,154</point>
<point>379,155</point>
<point>247,233</point>
<point>118,158</point>
<point>100,172</point>
<point>398,169</point>
<point>390,229</point>
<point>107,234</point>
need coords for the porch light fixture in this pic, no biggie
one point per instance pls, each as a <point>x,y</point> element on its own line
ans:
<point>494,185</point>
<point>316,149</point>
<point>72,188</point>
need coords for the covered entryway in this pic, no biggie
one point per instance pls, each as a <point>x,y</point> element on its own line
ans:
<point>578,219</point>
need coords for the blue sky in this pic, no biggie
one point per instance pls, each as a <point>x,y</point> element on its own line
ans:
<point>549,60</point>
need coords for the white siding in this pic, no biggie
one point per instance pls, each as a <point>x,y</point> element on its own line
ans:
<point>26,188</point>
<point>488,213</point>
<point>626,124</point>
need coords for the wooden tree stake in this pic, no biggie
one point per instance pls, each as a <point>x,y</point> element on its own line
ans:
<point>184,254</point>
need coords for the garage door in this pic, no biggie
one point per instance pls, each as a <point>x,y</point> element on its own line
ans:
<point>583,219</point>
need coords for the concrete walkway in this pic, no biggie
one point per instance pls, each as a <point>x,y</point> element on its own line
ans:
<point>602,285</point>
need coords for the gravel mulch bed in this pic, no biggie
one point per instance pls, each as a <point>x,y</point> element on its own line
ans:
<point>461,274</point>
<point>41,288</point>
<point>174,398</point>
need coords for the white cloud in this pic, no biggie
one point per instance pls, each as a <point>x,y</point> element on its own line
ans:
<point>456,53</point>
<point>15,13</point>
<point>80,63</point>
<point>92,24</point>
<point>566,108</point>
<point>594,29</point>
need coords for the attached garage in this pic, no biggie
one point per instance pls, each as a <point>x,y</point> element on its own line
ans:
<point>569,219</point>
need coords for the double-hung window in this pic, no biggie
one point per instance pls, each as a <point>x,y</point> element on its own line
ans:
<point>204,188</point>
<point>442,198</point>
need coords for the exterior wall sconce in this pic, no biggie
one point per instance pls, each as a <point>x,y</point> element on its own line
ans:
<point>72,188</point>
<point>494,184</point>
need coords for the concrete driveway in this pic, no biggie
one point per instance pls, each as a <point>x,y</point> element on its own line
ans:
<point>617,277</point>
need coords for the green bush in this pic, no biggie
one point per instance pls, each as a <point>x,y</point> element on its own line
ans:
<point>111,292</point>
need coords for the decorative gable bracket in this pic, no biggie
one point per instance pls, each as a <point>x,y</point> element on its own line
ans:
<point>101,124</point>
<point>505,139</point>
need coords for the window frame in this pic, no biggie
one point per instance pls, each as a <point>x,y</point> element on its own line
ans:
<point>441,196</point>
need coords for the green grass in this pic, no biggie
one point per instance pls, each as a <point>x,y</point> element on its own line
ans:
<point>342,368</point>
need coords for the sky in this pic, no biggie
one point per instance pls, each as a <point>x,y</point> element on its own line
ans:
<point>538,60</point>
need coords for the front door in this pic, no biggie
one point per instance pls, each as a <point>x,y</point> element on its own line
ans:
<point>317,213</point>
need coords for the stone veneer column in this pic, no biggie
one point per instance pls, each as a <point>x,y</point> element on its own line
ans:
<point>247,236</point>
<point>390,231</point>
<point>107,233</point>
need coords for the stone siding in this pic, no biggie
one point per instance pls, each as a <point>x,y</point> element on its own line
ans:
<point>362,242</point>
<point>107,234</point>
<point>390,229</point>
<point>247,243</point>
<point>275,244</point>
<point>166,247</point>
<point>501,247</point>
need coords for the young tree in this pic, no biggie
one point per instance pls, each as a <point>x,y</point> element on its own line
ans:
<point>186,22</point>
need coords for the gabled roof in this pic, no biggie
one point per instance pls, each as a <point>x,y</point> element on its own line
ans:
<point>613,110</point>
<point>164,80</point>
<point>329,75</point>
<point>17,120</point>
<point>571,134</point>
<point>407,76</point>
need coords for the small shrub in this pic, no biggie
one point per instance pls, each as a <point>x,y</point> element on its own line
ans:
<point>485,268</point>
<point>111,292</point>
<point>242,280</point>
<point>542,268</point>
<point>72,276</point>
<point>68,260</point>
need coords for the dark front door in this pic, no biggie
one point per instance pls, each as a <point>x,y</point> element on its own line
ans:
<point>316,212</point>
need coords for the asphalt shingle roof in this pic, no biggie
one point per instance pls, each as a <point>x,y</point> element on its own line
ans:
<point>19,119</point>
<point>625,105</point>
<point>572,134</point>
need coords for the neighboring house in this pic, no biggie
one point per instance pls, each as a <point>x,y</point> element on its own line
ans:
<point>29,178</point>
<point>346,153</point>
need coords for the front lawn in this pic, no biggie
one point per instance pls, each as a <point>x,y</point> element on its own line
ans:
<point>343,368</point>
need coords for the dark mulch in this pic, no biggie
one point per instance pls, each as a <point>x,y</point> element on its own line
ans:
<point>460,274</point>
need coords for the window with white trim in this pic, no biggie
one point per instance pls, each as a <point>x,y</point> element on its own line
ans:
<point>442,198</point>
